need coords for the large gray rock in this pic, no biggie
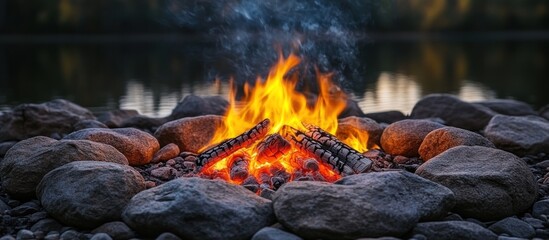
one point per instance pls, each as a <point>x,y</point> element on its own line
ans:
<point>195,208</point>
<point>489,184</point>
<point>29,160</point>
<point>192,106</point>
<point>87,194</point>
<point>458,230</point>
<point>138,146</point>
<point>364,205</point>
<point>55,117</point>
<point>519,135</point>
<point>189,134</point>
<point>513,227</point>
<point>445,138</point>
<point>453,111</point>
<point>508,107</point>
<point>363,127</point>
<point>404,137</point>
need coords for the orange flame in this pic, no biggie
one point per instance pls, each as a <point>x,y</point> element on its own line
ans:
<point>277,99</point>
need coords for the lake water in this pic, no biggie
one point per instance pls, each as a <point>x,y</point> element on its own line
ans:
<point>152,75</point>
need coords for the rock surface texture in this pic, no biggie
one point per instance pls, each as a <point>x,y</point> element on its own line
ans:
<point>365,205</point>
<point>207,209</point>
<point>53,119</point>
<point>405,137</point>
<point>453,111</point>
<point>29,160</point>
<point>458,230</point>
<point>445,138</point>
<point>87,194</point>
<point>484,181</point>
<point>138,146</point>
<point>189,134</point>
<point>519,135</point>
<point>192,106</point>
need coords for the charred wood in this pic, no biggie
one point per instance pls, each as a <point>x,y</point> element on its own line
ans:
<point>239,167</point>
<point>272,148</point>
<point>352,158</point>
<point>316,150</point>
<point>229,146</point>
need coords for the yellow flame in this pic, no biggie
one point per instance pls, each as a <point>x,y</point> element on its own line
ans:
<point>277,99</point>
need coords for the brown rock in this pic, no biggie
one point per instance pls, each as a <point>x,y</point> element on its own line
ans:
<point>166,153</point>
<point>192,106</point>
<point>356,125</point>
<point>404,137</point>
<point>445,138</point>
<point>138,146</point>
<point>190,134</point>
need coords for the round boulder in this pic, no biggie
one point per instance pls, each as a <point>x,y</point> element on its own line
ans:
<point>138,146</point>
<point>453,111</point>
<point>519,135</point>
<point>86,194</point>
<point>508,107</point>
<point>29,160</point>
<point>191,133</point>
<point>404,137</point>
<point>195,208</point>
<point>364,205</point>
<point>56,117</point>
<point>445,138</point>
<point>192,106</point>
<point>358,126</point>
<point>488,183</point>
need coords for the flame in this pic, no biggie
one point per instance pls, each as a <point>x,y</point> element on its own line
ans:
<point>277,99</point>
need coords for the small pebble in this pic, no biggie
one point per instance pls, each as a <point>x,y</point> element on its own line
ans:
<point>167,236</point>
<point>69,235</point>
<point>101,236</point>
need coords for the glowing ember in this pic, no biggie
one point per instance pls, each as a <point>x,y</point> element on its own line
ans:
<point>275,155</point>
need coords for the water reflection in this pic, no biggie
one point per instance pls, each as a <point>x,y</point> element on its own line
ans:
<point>152,77</point>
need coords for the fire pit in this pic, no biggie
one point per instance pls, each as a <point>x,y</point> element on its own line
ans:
<point>273,135</point>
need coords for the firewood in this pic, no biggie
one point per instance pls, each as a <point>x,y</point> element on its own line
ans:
<point>354,159</point>
<point>229,146</point>
<point>316,150</point>
<point>239,167</point>
<point>272,148</point>
<point>304,163</point>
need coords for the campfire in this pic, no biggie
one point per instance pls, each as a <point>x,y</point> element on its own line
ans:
<point>274,134</point>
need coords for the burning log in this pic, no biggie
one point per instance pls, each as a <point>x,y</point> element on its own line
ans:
<point>239,167</point>
<point>272,148</point>
<point>358,162</point>
<point>317,150</point>
<point>304,163</point>
<point>229,146</point>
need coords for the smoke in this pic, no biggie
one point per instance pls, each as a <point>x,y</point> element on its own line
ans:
<point>249,34</point>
